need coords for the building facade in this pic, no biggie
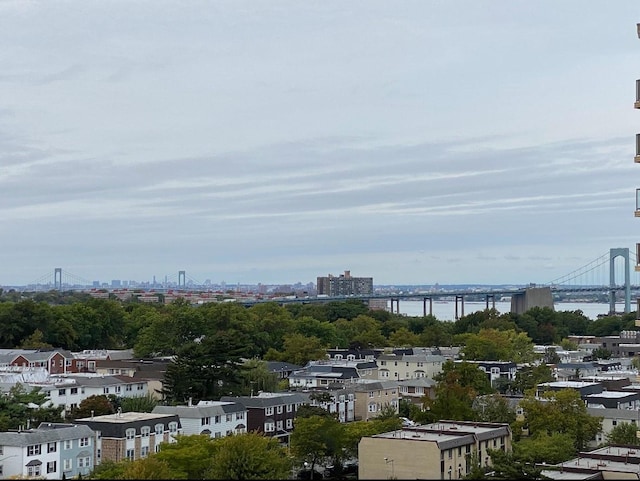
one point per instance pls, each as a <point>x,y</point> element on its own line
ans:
<point>441,450</point>
<point>344,285</point>
<point>131,435</point>
<point>52,451</point>
<point>216,419</point>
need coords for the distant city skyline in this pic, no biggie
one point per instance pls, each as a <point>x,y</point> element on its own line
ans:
<point>470,142</point>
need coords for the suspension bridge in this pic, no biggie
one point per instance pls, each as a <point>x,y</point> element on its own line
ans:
<point>615,273</point>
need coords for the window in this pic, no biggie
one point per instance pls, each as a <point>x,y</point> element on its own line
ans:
<point>105,390</point>
<point>279,409</point>
<point>127,387</point>
<point>229,418</point>
<point>34,450</point>
<point>33,471</point>
<point>268,411</point>
<point>144,451</point>
<point>140,386</point>
<point>1,450</point>
<point>205,420</point>
<point>289,423</point>
<point>84,442</point>
<point>130,454</point>
<point>269,427</point>
<point>372,407</point>
<point>279,425</point>
<point>74,390</point>
<point>370,393</point>
<point>173,427</point>
<point>67,444</point>
<point>218,434</point>
<point>67,465</point>
<point>51,467</point>
<point>216,420</point>
<point>239,416</point>
<point>145,431</point>
<point>118,388</point>
<point>159,428</point>
<point>130,433</point>
<point>52,448</point>
<point>62,392</point>
<point>614,422</point>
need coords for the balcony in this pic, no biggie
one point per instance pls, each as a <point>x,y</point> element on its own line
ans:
<point>637,212</point>
<point>636,104</point>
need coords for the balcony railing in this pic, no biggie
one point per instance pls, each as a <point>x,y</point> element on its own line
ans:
<point>637,213</point>
<point>637,102</point>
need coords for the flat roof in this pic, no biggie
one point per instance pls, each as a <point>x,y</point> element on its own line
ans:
<point>612,394</point>
<point>126,417</point>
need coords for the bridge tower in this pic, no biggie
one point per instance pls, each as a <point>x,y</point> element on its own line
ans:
<point>182,279</point>
<point>624,253</point>
<point>57,278</point>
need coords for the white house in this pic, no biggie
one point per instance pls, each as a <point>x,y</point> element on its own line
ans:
<point>215,418</point>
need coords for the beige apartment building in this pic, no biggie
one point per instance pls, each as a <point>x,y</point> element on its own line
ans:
<point>372,396</point>
<point>408,366</point>
<point>435,451</point>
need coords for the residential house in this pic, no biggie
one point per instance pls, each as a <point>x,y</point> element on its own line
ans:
<point>54,361</point>
<point>323,373</point>
<point>614,400</point>
<point>69,391</point>
<point>414,390</point>
<point>131,435</point>
<point>354,354</point>
<point>441,450</point>
<point>399,367</point>
<point>270,413</point>
<point>336,400</point>
<point>584,388</point>
<point>51,451</point>
<point>213,418</point>
<point>610,419</point>
<point>372,396</point>
<point>282,370</point>
<point>496,370</point>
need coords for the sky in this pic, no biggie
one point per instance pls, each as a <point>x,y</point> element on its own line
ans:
<point>415,142</point>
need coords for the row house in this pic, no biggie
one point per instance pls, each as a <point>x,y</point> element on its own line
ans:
<point>496,370</point>
<point>131,435</point>
<point>336,400</point>
<point>372,396</point>
<point>324,373</point>
<point>614,400</point>
<point>270,413</point>
<point>70,391</point>
<point>282,370</point>
<point>415,390</point>
<point>51,451</point>
<point>354,354</point>
<point>409,366</point>
<point>54,361</point>
<point>214,418</point>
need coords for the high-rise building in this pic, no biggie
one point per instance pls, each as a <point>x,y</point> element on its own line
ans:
<point>344,285</point>
<point>637,160</point>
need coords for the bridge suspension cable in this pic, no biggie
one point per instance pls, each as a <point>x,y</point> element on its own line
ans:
<point>582,271</point>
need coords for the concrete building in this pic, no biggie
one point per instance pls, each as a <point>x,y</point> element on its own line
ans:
<point>441,450</point>
<point>214,418</point>
<point>611,462</point>
<point>344,285</point>
<point>131,435</point>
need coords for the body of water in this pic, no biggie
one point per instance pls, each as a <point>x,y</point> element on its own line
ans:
<point>446,310</point>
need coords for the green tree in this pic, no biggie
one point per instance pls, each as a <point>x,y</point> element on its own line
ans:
<point>403,337</point>
<point>147,468</point>
<point>140,404</point>
<point>299,349</point>
<point>96,405</point>
<point>189,457</point>
<point>207,368</point>
<point>624,433</point>
<point>317,438</point>
<point>563,412</point>
<point>493,408</point>
<point>249,456</point>
<point>542,447</point>
<point>256,377</point>
<point>506,465</point>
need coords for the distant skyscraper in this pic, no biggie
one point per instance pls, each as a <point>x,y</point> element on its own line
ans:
<point>344,285</point>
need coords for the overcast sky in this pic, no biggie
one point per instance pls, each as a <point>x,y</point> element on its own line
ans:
<point>416,142</point>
